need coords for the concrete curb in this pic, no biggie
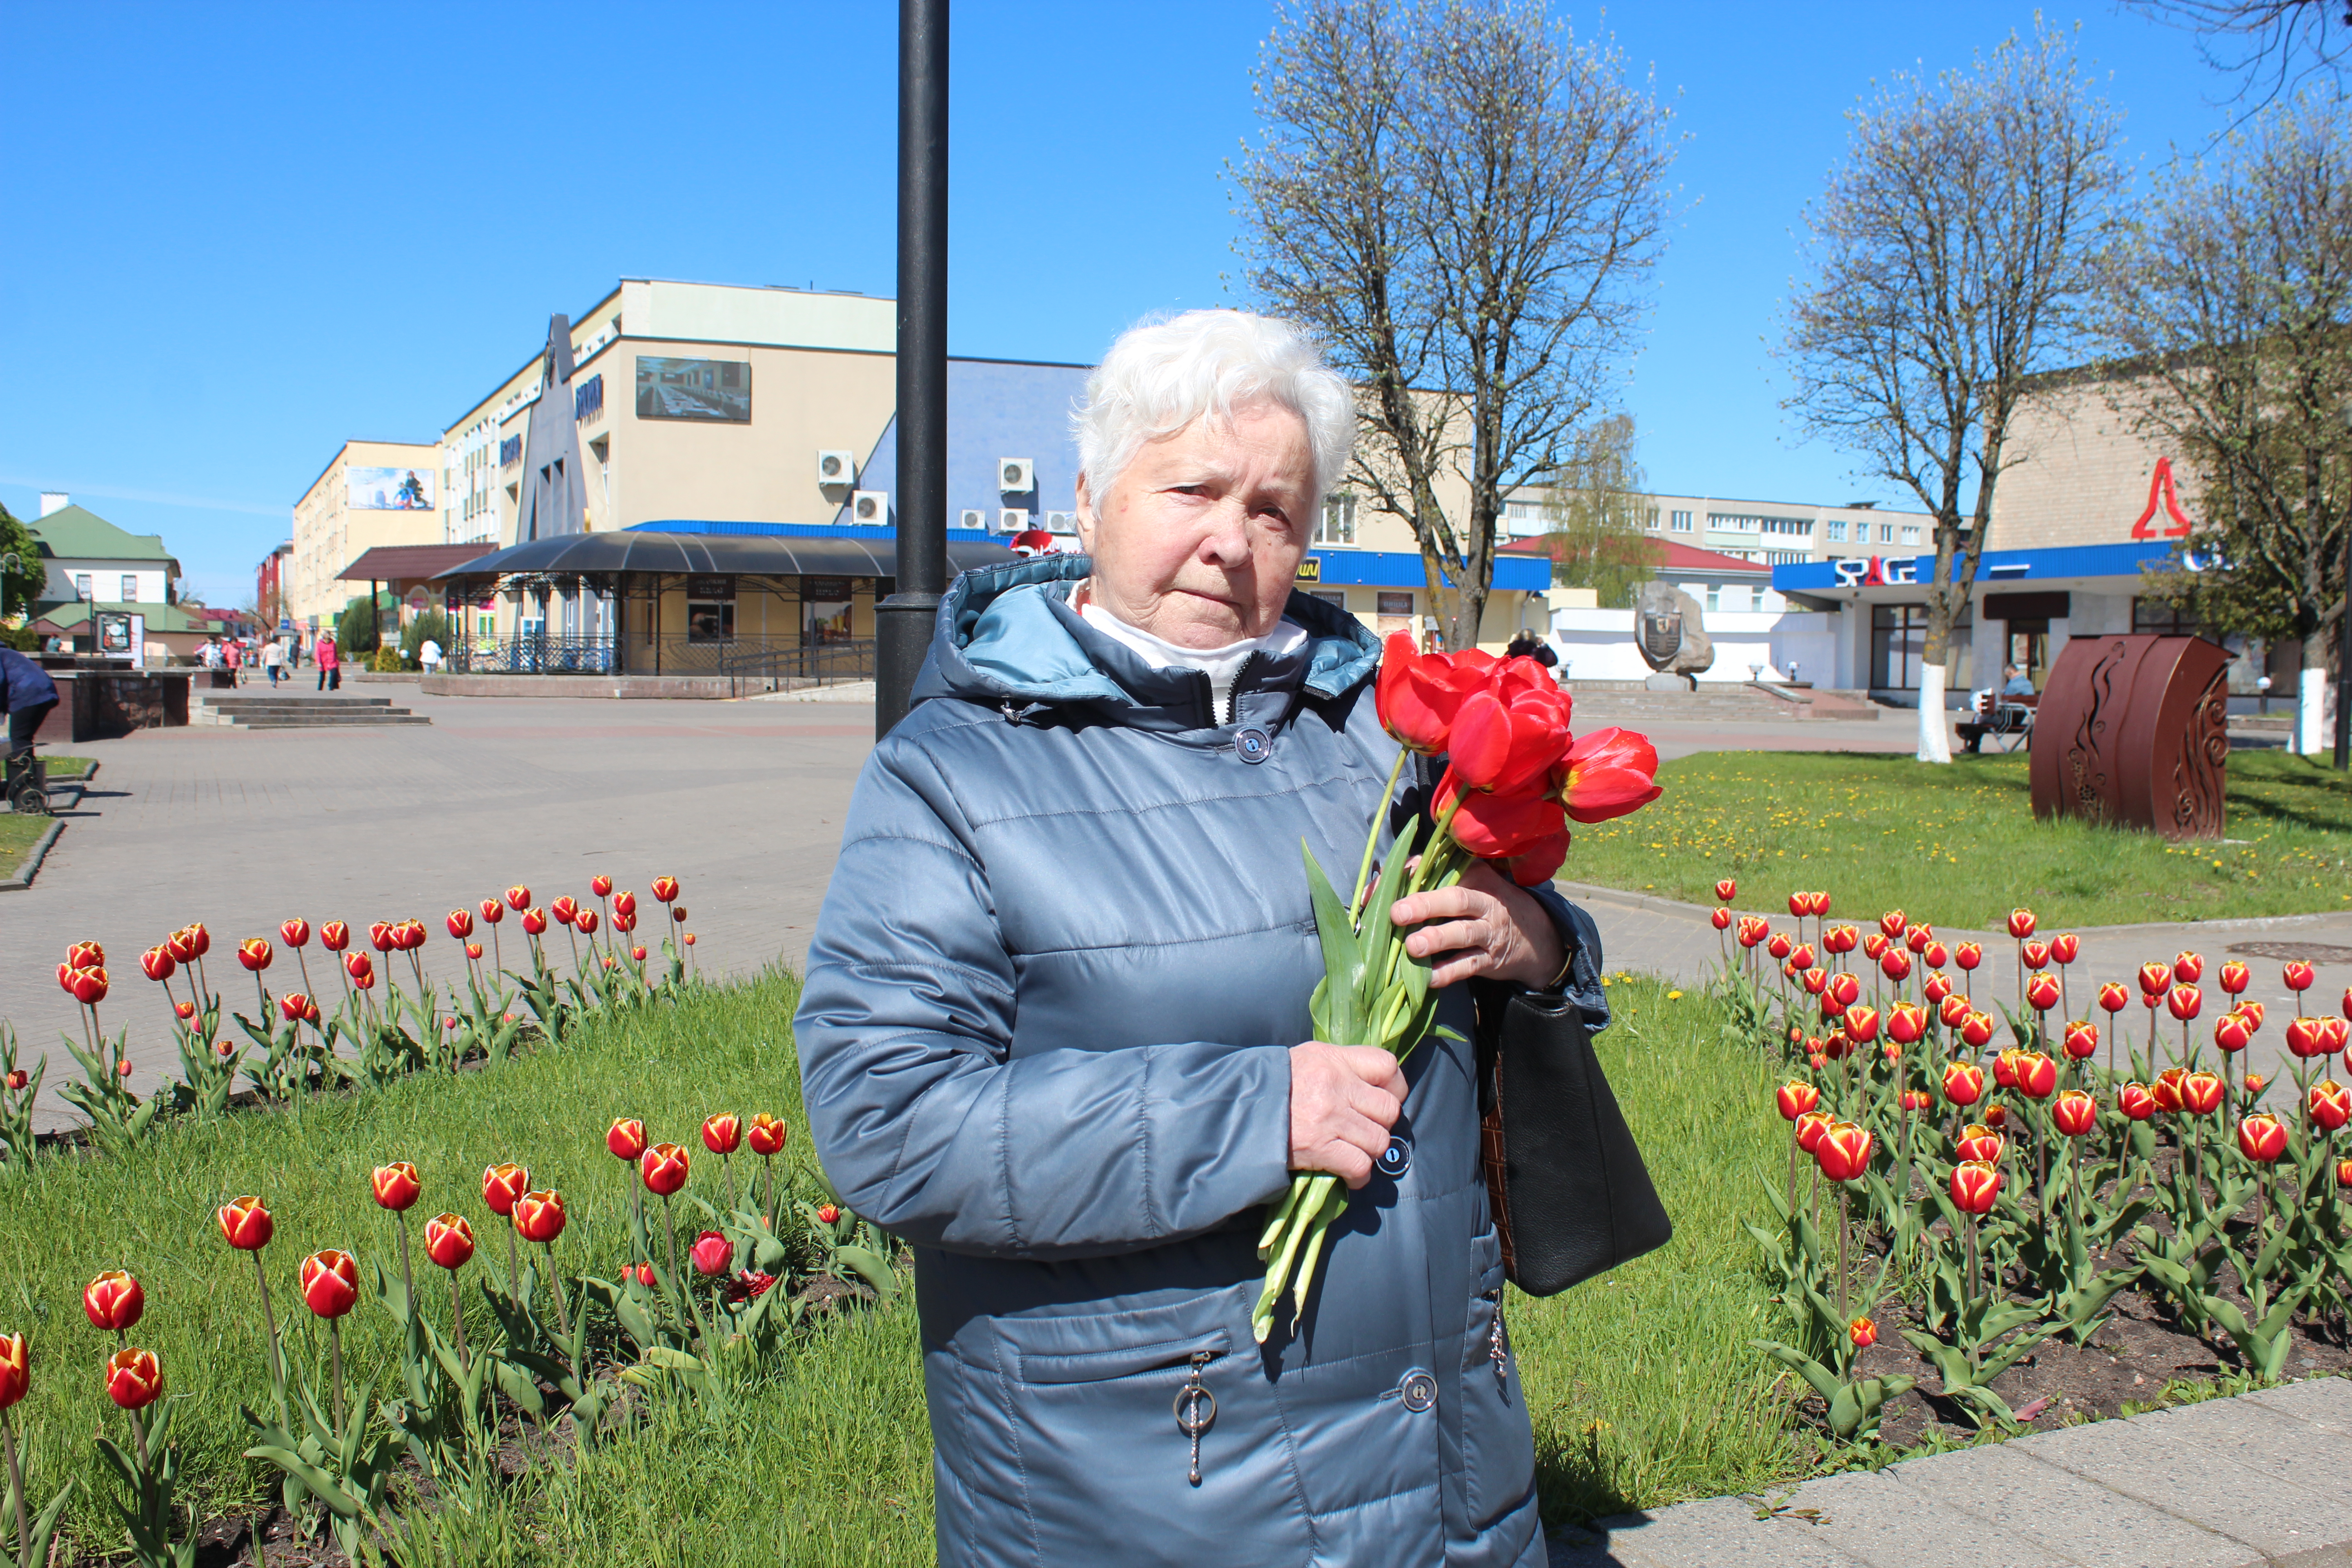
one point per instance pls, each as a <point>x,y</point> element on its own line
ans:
<point>31,863</point>
<point>2249,1480</point>
<point>1699,913</point>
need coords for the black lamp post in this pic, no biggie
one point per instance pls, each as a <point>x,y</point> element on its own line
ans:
<point>2344,643</point>
<point>903,621</point>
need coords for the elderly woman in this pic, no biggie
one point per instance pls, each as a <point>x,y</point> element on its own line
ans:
<point>1055,1028</point>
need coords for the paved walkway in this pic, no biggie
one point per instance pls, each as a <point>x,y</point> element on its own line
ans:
<point>2256,1479</point>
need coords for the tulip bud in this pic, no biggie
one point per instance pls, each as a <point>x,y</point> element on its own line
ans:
<point>2074,1113</point>
<point>1963,1083</point>
<point>1781,945</point>
<point>1844,1152</point>
<point>534,920</point>
<point>2200,1093</point>
<point>1936,988</point>
<point>15,1369</point>
<point>2136,1101</point>
<point>2021,923</point>
<point>134,1379</point>
<point>711,1253</point>
<point>113,1302</point>
<point>539,1217</point>
<point>449,1240</point>
<point>678,913</point>
<point>1863,1332</point>
<point>2298,975</point>
<point>86,955</point>
<point>2254,1085</point>
<point>1893,924</point>
<point>1873,945</point>
<point>2230,1032</point>
<point>2113,998</point>
<point>330,1282</point>
<point>601,886</point>
<point>689,939</point>
<point>828,1214</point>
<point>2042,993</point>
<point>625,1139</point>
<point>2066,948</point>
<point>334,936</point>
<point>501,1186</point>
<point>2306,1037</point>
<point>1997,1115</point>
<point>1914,1100</point>
<point>2261,1138</point>
<point>1975,1185</point>
<point>244,1224</point>
<point>624,903</point>
<point>474,950</point>
<point>2183,1002</point>
<point>1968,954</point>
<point>584,922</point>
<point>1801,957</point>
<point>1977,1030</point>
<point>1725,891</point>
<point>1896,965</point>
<point>2331,1105</point>
<point>358,966</point>
<point>666,889</point>
<point>395,1185</point>
<point>158,963</point>
<point>1800,905</point>
<point>663,1169</point>
<point>2189,968</point>
<point>767,1134</point>
<point>2082,1039</point>
<point>2036,954</point>
<point>1795,1098</point>
<point>1862,1024</point>
<point>644,1274</point>
<point>122,1067</point>
<point>2155,979</point>
<point>492,910</point>
<point>2344,1172</point>
<point>460,923</point>
<point>18,1078</point>
<point>2235,977</point>
<point>1720,918</point>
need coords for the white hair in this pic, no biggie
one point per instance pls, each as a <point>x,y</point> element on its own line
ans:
<point>1162,376</point>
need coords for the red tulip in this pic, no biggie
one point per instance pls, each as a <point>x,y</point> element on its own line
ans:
<point>2167,1088</point>
<point>2235,977</point>
<point>2074,1113</point>
<point>2331,1105</point>
<point>1863,1332</point>
<point>2189,968</point>
<point>1782,945</point>
<point>666,887</point>
<point>1977,1030</point>
<point>1841,938</point>
<point>1725,891</point>
<point>449,1240</point>
<point>1892,924</point>
<point>2231,1033</point>
<point>1935,988</point>
<point>711,1253</point>
<point>2112,997</point>
<point>2066,948</point>
<point>1609,774</point>
<point>18,1079</point>
<point>1720,918</point>
<point>644,1274</point>
<point>1896,965</point>
<point>492,910</point>
<point>626,1138</point>
<point>460,923</point>
<point>381,936</point>
<point>1809,1128</point>
<point>1968,954</point>
<point>1801,905</point>
<point>2082,1039</point>
<point>2183,1002</point>
<point>584,922</point>
<point>1934,955</point>
<point>828,1214</point>
<point>2252,1012</point>
<point>1416,695</point>
<point>2036,954</point>
<point>2305,1036</point>
<point>539,1217</point>
<point>2261,1138</point>
<point>244,1224</point>
<point>1954,1009</point>
<point>1795,1098</point>
<point>1963,1083</point>
<point>2344,1172</point>
<point>1846,989</point>
<point>1752,929</point>
<point>88,986</point>
<point>1862,1024</point>
<point>359,966</point>
<point>474,950</point>
<point>2155,979</point>
<point>1980,1143</point>
<point>689,939</point>
<point>1906,1023</point>
<point>395,1185</point>
<point>334,936</point>
<point>330,1282</point>
<point>723,1133</point>
<point>600,885</point>
<point>134,1379</point>
<point>2298,975</point>
<point>184,1010</point>
<point>663,1169</point>
<point>624,903</point>
<point>1844,1152</point>
<point>2339,1032</point>
<point>295,932</point>
<point>2136,1101</point>
<point>86,955</point>
<point>1919,937</point>
<point>2021,923</point>
<point>767,1134</point>
<point>2200,1093</point>
<point>113,1302</point>
<point>501,1186</point>
<point>198,940</point>
<point>158,963</point>
<point>294,1006</point>
<point>534,920</point>
<point>412,934</point>
<point>1975,1185</point>
<point>1914,1100</point>
<point>1873,945</point>
<point>15,1369</point>
<point>2037,1075</point>
<point>2042,992</point>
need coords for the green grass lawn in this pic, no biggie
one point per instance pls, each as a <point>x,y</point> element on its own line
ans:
<point>1958,845</point>
<point>17,835</point>
<point>1641,1385</point>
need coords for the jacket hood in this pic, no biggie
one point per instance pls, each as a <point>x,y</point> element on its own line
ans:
<point>1006,637</point>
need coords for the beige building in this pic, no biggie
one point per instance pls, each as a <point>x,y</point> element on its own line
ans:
<point>2084,475</point>
<point>370,493</point>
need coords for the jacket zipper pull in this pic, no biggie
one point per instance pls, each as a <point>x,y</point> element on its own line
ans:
<point>1191,1418</point>
<point>1496,1351</point>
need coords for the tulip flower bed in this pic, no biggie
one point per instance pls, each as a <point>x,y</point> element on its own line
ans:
<point>2006,1180</point>
<point>727,1402</point>
<point>1958,845</point>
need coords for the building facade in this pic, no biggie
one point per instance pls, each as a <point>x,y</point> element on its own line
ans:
<point>98,574</point>
<point>370,493</point>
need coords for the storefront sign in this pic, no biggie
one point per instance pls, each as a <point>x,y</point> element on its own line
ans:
<point>1873,572</point>
<point>1310,569</point>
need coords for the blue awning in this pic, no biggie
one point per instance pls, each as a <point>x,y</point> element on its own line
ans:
<point>2062,562</point>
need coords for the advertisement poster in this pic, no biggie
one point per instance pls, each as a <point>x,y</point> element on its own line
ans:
<point>694,389</point>
<point>388,489</point>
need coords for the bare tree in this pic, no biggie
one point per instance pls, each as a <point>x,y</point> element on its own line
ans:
<point>2268,45</point>
<point>1464,202</point>
<point>2233,304</point>
<point>1954,255</point>
<point>1597,519</point>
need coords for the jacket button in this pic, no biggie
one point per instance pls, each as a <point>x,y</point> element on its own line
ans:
<point>1418,1392</point>
<point>1252,746</point>
<point>1397,1158</point>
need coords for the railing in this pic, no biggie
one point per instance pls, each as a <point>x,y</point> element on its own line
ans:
<point>535,655</point>
<point>750,664</point>
<point>772,666</point>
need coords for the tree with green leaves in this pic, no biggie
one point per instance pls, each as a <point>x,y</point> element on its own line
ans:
<point>1597,519</point>
<point>24,573</point>
<point>1955,254</point>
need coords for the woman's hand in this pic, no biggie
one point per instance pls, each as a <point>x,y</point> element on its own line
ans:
<point>1491,927</point>
<point>1343,1100</point>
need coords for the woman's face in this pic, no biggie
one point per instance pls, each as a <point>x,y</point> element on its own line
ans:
<point>1199,539</point>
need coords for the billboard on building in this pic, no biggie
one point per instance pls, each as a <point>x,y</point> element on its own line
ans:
<point>694,389</point>
<point>389,489</point>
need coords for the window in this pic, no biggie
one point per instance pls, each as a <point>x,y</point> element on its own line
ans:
<point>1910,534</point>
<point>825,609</point>
<point>1681,522</point>
<point>1732,523</point>
<point>1331,597</point>
<point>2163,618</point>
<point>1897,634</point>
<point>1339,523</point>
<point>1715,595</point>
<point>81,585</point>
<point>1886,532</point>
<point>129,589</point>
<point>709,609</point>
<point>1653,520</point>
<point>1395,604</point>
<point>1835,529</point>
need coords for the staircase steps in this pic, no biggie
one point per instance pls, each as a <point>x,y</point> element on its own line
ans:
<point>282,711</point>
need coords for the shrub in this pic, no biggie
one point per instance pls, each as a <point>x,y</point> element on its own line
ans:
<point>387,661</point>
<point>431,623</point>
<point>355,628</point>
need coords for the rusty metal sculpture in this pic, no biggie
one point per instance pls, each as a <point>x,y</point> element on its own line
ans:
<point>2132,732</point>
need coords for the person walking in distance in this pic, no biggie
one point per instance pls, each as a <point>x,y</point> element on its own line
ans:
<point>273,659</point>
<point>330,662</point>
<point>234,655</point>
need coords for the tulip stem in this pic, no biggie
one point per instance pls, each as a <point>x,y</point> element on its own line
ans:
<point>407,1280</point>
<point>1791,1205</point>
<point>139,1434</point>
<point>335,1344</point>
<point>563,1313</point>
<point>457,1319</point>
<point>1844,1315</point>
<point>16,1486</point>
<point>269,1321</point>
<point>727,1164</point>
<point>1372,840</point>
<point>669,1228</point>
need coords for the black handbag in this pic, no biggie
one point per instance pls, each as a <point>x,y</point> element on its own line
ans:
<point>1565,1180</point>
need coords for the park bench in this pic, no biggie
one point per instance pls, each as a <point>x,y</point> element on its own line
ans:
<point>2009,719</point>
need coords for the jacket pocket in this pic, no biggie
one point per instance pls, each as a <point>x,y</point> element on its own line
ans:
<point>1100,1413</point>
<point>1498,1449</point>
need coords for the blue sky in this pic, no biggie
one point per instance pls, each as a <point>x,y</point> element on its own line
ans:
<point>237,236</point>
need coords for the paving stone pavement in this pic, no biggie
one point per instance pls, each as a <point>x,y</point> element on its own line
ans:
<point>2258,1480</point>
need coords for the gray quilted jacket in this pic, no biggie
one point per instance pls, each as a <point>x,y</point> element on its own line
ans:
<point>1044,1037</point>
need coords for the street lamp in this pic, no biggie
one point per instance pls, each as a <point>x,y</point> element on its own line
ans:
<point>2344,630</point>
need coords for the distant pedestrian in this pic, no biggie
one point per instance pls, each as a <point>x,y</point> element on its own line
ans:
<point>273,658</point>
<point>235,654</point>
<point>331,663</point>
<point>428,654</point>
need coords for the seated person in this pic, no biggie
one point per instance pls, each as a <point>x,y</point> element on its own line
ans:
<point>2015,682</point>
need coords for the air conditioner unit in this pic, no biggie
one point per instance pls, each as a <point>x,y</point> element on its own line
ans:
<point>836,468</point>
<point>1016,475</point>
<point>870,507</point>
<point>1061,523</point>
<point>972,517</point>
<point>1012,519</point>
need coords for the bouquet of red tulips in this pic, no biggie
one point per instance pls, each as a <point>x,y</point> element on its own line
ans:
<point>1515,778</point>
